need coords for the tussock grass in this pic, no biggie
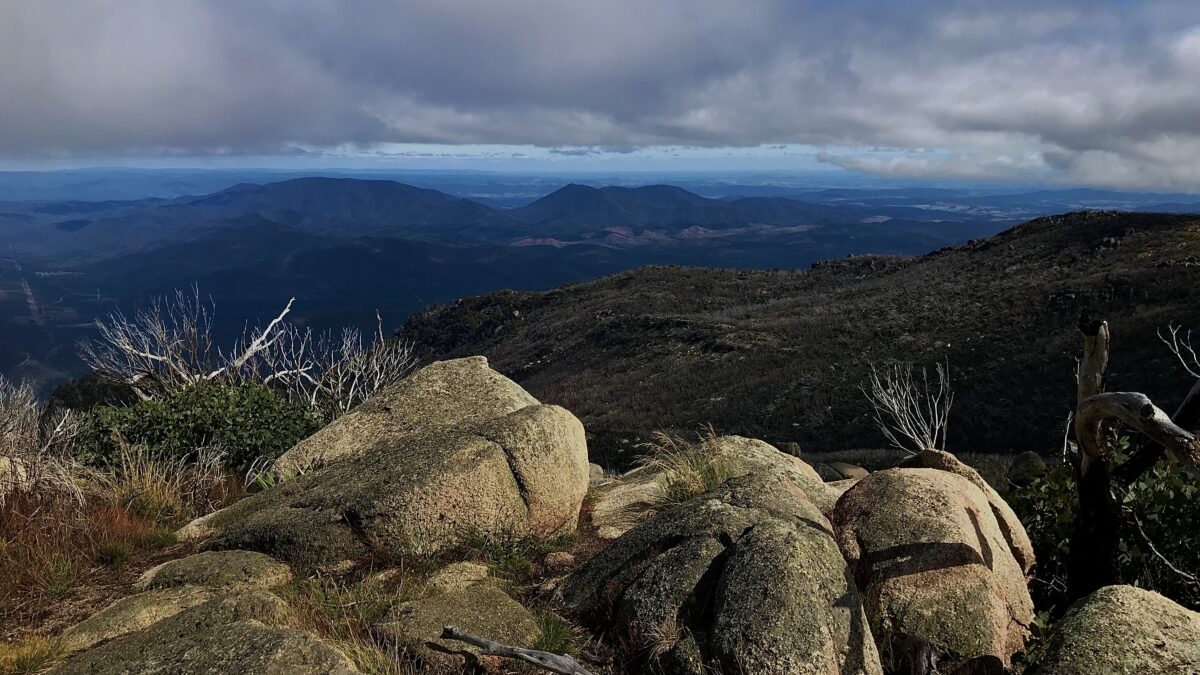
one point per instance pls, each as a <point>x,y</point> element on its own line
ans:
<point>29,656</point>
<point>164,490</point>
<point>343,612</point>
<point>689,468</point>
<point>513,559</point>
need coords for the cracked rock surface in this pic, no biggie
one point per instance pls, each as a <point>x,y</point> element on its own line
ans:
<point>481,456</point>
<point>744,578</point>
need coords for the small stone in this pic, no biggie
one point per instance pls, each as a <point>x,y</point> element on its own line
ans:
<point>559,560</point>
<point>457,576</point>
<point>483,610</point>
<point>225,570</point>
<point>610,532</point>
<point>595,474</point>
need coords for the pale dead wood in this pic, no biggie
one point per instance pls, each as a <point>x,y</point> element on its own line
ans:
<point>912,411</point>
<point>1090,376</point>
<point>1188,413</point>
<point>1182,348</point>
<point>1139,412</point>
<point>555,663</point>
<point>169,346</point>
<point>1089,380</point>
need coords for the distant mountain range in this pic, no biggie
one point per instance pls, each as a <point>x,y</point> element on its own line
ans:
<point>347,246</point>
<point>656,215</point>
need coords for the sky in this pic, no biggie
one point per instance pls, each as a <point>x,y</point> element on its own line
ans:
<point>1101,92</point>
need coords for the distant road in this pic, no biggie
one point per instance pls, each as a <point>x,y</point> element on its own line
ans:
<point>35,311</point>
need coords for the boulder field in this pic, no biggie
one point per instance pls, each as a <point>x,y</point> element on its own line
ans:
<point>920,568</point>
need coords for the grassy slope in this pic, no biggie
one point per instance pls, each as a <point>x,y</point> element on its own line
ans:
<point>779,355</point>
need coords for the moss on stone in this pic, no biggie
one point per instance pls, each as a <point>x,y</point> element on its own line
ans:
<point>1123,630</point>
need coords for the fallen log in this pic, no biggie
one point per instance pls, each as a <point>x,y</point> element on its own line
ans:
<point>555,663</point>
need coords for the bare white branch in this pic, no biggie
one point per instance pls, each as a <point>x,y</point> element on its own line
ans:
<point>555,663</point>
<point>1182,348</point>
<point>169,346</point>
<point>35,450</point>
<point>912,412</point>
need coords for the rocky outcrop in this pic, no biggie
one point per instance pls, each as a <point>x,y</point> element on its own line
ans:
<point>745,578</point>
<point>416,627</point>
<point>940,581</point>
<point>1010,525</point>
<point>1123,630</point>
<point>445,394</point>
<point>475,455</point>
<point>223,570</point>
<point>626,500</point>
<point>244,632</point>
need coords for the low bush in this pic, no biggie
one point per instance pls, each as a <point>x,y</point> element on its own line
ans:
<point>1158,551</point>
<point>246,420</point>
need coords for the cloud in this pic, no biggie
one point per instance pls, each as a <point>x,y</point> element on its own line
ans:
<point>1076,91</point>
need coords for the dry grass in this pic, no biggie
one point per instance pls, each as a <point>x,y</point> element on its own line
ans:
<point>72,529</point>
<point>343,612</point>
<point>688,468</point>
<point>662,638</point>
<point>170,491</point>
<point>29,656</point>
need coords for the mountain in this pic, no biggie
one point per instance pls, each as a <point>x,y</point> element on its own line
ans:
<point>576,210</point>
<point>780,355</point>
<point>347,206</point>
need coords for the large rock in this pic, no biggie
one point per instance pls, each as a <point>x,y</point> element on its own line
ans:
<point>939,579</point>
<point>131,614</point>
<point>416,627</point>
<point>224,570</point>
<point>624,501</point>
<point>443,394</point>
<point>519,473</point>
<point>245,632</point>
<point>745,578</point>
<point>1014,532</point>
<point>1123,630</point>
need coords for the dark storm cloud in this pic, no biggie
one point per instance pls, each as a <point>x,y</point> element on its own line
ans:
<point>1096,92</point>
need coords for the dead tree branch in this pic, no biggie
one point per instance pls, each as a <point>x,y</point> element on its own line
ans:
<point>1182,348</point>
<point>1092,368</point>
<point>169,346</point>
<point>555,663</point>
<point>1137,411</point>
<point>912,412</point>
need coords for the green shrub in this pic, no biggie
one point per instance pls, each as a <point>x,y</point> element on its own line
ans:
<point>1158,513</point>
<point>245,420</point>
